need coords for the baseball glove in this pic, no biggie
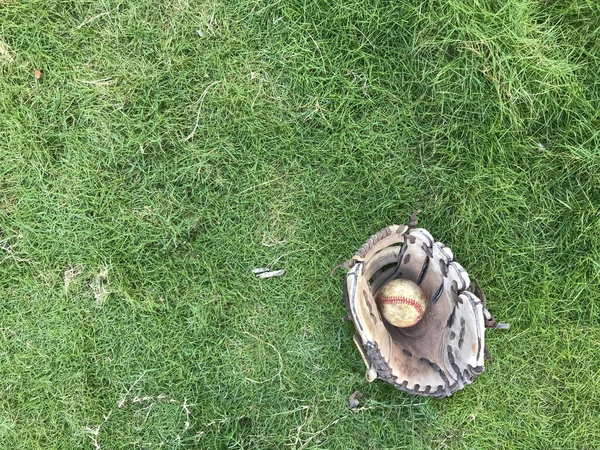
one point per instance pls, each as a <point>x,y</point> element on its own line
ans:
<point>445,350</point>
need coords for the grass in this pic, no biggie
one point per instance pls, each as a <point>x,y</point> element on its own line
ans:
<point>127,249</point>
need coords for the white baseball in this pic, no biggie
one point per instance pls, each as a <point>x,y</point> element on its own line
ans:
<point>402,302</point>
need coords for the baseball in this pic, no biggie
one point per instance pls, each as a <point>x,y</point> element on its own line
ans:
<point>402,302</point>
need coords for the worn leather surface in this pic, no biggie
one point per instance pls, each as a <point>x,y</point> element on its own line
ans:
<point>445,350</point>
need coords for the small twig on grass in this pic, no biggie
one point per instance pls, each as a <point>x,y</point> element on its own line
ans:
<point>298,439</point>
<point>300,408</point>
<point>247,15</point>
<point>124,398</point>
<point>261,184</point>
<point>92,18</point>
<point>108,81</point>
<point>321,432</point>
<point>364,35</point>
<point>93,433</point>
<point>201,100</point>
<point>270,241</point>
<point>319,49</point>
<point>187,415</point>
<point>287,254</point>
<point>212,17</point>
<point>278,374</point>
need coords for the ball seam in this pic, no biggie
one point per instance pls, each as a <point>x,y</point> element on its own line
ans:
<point>403,301</point>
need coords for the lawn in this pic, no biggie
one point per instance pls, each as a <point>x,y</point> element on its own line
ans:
<point>153,153</point>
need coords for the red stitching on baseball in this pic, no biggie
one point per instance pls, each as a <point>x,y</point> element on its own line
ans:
<point>403,301</point>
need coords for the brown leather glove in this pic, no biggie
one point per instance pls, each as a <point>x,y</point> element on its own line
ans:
<point>445,350</point>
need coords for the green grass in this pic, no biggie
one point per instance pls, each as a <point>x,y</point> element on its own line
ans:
<point>127,250</point>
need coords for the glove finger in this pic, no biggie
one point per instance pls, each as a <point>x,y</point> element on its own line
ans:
<point>464,340</point>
